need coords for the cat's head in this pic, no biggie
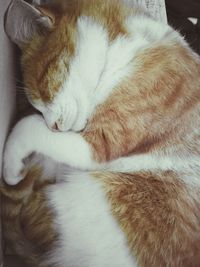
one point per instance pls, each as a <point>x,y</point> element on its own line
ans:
<point>56,79</point>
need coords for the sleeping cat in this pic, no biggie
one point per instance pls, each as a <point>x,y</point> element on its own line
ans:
<point>108,174</point>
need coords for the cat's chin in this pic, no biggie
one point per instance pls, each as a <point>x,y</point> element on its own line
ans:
<point>76,127</point>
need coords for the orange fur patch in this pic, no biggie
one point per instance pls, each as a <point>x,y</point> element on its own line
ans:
<point>27,220</point>
<point>159,215</point>
<point>152,109</point>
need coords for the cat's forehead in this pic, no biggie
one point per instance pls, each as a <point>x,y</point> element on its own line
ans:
<point>47,59</point>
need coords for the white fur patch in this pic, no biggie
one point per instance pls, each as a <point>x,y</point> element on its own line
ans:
<point>188,168</point>
<point>89,235</point>
<point>73,102</point>
<point>151,30</point>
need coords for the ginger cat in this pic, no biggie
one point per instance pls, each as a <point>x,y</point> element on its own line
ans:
<point>114,180</point>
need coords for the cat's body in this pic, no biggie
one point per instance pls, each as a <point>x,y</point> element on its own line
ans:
<point>128,88</point>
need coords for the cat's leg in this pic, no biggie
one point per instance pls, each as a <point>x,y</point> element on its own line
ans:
<point>88,150</point>
<point>32,135</point>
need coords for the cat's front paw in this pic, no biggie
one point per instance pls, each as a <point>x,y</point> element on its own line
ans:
<point>13,171</point>
<point>13,167</point>
<point>22,142</point>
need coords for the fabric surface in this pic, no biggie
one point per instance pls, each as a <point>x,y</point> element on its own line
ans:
<point>156,8</point>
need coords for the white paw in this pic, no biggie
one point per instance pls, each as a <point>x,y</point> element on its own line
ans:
<point>13,162</point>
<point>19,146</point>
<point>13,166</point>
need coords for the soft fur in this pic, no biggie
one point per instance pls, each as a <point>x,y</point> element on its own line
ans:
<point>119,94</point>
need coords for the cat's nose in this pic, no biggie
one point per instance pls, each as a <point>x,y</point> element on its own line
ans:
<point>55,127</point>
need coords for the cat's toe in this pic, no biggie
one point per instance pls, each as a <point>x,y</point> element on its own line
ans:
<point>13,180</point>
<point>13,173</point>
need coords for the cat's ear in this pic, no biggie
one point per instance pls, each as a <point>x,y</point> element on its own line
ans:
<point>23,20</point>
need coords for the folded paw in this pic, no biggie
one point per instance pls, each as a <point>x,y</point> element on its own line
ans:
<point>19,147</point>
<point>13,167</point>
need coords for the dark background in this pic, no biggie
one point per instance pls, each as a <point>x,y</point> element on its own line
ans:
<point>178,12</point>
